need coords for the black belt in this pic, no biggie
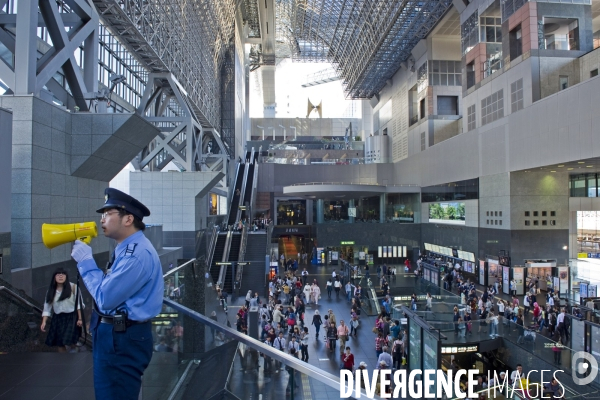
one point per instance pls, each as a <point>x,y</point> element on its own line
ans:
<point>129,322</point>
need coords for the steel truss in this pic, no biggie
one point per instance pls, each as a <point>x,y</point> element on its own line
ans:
<point>69,23</point>
<point>365,40</point>
<point>183,139</point>
<point>185,38</point>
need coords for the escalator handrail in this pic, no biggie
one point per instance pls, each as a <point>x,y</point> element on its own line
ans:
<point>172,271</point>
<point>224,258</point>
<point>242,255</point>
<point>211,247</point>
<point>241,199</point>
<point>233,208</point>
<point>20,298</point>
<point>254,188</point>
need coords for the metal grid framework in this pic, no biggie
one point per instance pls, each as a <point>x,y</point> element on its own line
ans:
<point>185,38</point>
<point>365,40</point>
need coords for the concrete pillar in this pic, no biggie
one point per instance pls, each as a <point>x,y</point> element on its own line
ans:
<point>382,199</point>
<point>320,211</point>
<point>253,323</point>
<point>351,205</point>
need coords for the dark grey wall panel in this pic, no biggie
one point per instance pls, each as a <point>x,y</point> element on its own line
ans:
<point>492,241</point>
<point>366,234</point>
<point>544,244</point>
<point>462,237</point>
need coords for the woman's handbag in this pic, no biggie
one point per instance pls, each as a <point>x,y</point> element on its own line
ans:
<point>375,329</point>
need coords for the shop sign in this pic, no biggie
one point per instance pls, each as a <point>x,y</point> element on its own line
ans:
<point>461,349</point>
<point>347,243</point>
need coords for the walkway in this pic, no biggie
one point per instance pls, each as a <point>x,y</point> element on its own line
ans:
<point>363,346</point>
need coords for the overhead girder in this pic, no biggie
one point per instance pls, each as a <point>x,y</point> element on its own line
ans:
<point>365,40</point>
<point>69,24</point>
<point>183,139</point>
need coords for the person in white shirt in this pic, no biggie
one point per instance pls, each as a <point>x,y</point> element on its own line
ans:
<point>304,276</point>
<point>294,347</point>
<point>517,375</point>
<point>65,311</point>
<point>337,285</point>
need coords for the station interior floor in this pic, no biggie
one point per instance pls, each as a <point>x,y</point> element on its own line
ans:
<point>66,376</point>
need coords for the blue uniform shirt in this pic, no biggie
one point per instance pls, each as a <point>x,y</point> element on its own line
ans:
<point>135,280</point>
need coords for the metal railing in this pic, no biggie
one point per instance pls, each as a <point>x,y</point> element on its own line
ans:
<point>179,267</point>
<point>370,183</point>
<point>302,367</point>
<point>20,298</point>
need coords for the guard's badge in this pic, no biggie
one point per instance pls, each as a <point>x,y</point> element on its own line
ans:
<point>105,198</point>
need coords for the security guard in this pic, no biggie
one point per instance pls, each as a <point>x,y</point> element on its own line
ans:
<point>126,297</point>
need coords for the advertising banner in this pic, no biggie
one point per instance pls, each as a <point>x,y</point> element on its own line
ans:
<point>583,290</point>
<point>518,277</point>
<point>505,280</point>
<point>563,274</point>
<point>593,291</point>
<point>482,272</point>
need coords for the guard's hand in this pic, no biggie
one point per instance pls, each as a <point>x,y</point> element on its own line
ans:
<point>81,251</point>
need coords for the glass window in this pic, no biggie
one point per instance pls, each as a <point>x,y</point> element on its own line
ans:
<point>291,212</point>
<point>592,188</point>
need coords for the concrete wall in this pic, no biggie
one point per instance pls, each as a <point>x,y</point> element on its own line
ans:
<point>5,168</point>
<point>171,196</point>
<point>177,201</point>
<point>61,164</point>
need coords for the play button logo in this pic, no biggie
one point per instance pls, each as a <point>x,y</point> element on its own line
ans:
<point>584,364</point>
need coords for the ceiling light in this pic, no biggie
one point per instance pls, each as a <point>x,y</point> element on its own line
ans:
<point>589,166</point>
<point>569,169</point>
<point>560,166</point>
<point>580,162</point>
<point>552,171</point>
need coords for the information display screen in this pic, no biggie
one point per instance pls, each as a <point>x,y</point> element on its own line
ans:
<point>414,346</point>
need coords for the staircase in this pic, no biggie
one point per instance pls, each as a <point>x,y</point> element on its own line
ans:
<point>253,277</point>
<point>217,256</point>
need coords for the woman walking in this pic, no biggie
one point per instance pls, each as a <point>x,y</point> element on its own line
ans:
<point>317,322</point>
<point>316,293</point>
<point>61,305</point>
<point>332,336</point>
<point>329,288</point>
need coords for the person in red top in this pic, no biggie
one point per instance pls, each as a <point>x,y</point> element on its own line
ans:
<point>348,360</point>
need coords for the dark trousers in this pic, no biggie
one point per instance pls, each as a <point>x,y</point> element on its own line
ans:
<point>120,359</point>
<point>304,351</point>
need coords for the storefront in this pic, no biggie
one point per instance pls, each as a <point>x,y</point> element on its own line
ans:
<point>542,272</point>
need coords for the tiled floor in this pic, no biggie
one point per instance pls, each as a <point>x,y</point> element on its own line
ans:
<point>35,376</point>
<point>363,346</point>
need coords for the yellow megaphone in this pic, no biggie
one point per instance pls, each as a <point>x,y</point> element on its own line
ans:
<point>56,234</point>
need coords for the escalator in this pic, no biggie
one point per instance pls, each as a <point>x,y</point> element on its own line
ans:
<point>234,251</point>
<point>236,194</point>
<point>218,256</point>
<point>250,183</point>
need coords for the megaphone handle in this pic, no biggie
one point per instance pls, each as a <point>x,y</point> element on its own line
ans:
<point>85,239</point>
